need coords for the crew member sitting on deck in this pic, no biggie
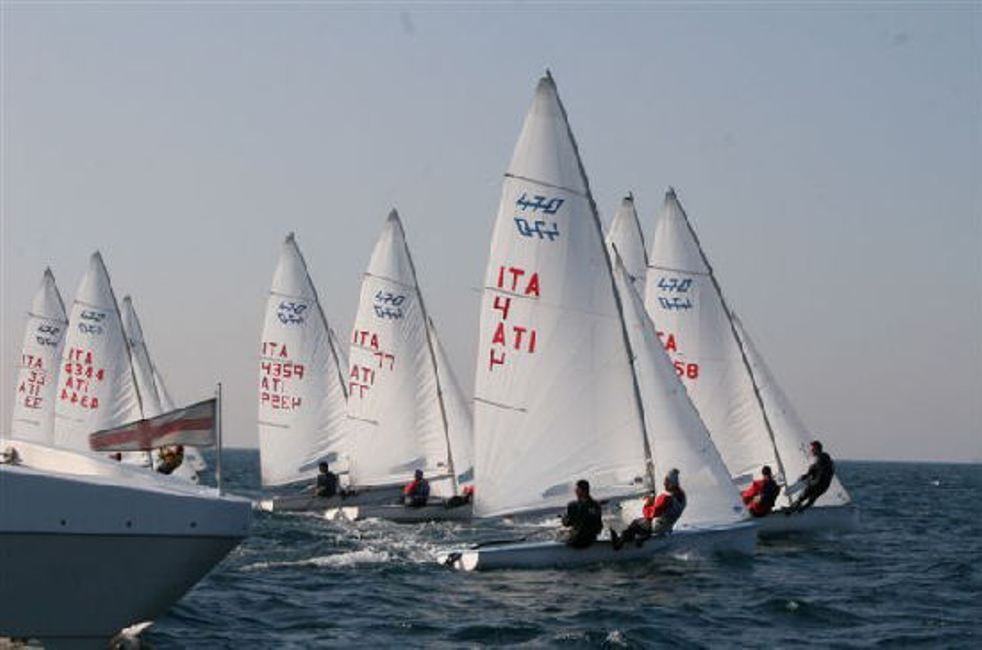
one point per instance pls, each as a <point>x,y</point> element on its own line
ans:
<point>583,518</point>
<point>170,458</point>
<point>818,478</point>
<point>327,481</point>
<point>659,514</point>
<point>762,493</point>
<point>417,492</point>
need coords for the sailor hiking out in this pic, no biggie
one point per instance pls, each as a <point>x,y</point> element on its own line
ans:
<point>327,481</point>
<point>817,478</point>
<point>582,517</point>
<point>762,493</point>
<point>659,514</point>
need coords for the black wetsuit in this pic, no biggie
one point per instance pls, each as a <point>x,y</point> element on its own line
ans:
<point>819,477</point>
<point>327,485</point>
<point>583,518</point>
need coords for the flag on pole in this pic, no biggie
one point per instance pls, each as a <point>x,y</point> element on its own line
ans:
<point>193,426</point>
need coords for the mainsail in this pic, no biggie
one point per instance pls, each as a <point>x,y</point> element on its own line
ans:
<point>697,330</point>
<point>677,435</point>
<point>626,236</point>
<point>37,372</point>
<point>96,386</point>
<point>395,401</point>
<point>555,397</point>
<point>301,389</point>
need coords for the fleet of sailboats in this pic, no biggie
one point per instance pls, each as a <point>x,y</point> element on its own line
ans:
<point>598,358</point>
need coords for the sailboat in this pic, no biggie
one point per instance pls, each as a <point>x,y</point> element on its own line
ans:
<point>399,385</point>
<point>748,415</point>
<point>74,523</point>
<point>625,235</point>
<point>302,391</point>
<point>567,385</point>
<point>40,360</point>
<point>155,399</point>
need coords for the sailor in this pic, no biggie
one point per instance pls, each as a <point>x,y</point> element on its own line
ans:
<point>659,514</point>
<point>417,492</point>
<point>817,478</point>
<point>762,493</point>
<point>327,481</point>
<point>583,518</point>
<point>170,458</point>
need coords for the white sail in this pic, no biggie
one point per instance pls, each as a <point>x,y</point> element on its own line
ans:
<point>554,393</point>
<point>142,366</point>
<point>626,236</point>
<point>460,418</point>
<point>394,404</point>
<point>96,387</point>
<point>677,435</point>
<point>40,359</point>
<point>694,324</point>
<point>301,389</point>
<point>791,436</point>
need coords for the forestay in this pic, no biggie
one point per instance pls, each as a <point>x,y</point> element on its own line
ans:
<point>694,325</point>
<point>301,388</point>
<point>142,366</point>
<point>96,387</point>
<point>40,358</point>
<point>678,438</point>
<point>554,393</point>
<point>395,407</point>
<point>626,236</point>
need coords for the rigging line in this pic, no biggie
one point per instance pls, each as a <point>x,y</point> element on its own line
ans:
<point>649,459</point>
<point>500,405</point>
<point>674,270</point>
<point>739,342</point>
<point>550,185</point>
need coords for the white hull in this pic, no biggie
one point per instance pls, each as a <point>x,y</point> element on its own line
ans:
<point>308,502</point>
<point>736,539</point>
<point>89,546</point>
<point>401,514</point>
<point>818,519</point>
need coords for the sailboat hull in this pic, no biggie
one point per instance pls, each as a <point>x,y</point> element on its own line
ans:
<point>734,539</point>
<point>819,519</point>
<point>401,514</point>
<point>309,502</point>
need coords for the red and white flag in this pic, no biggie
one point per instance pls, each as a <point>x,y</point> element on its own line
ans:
<point>193,426</point>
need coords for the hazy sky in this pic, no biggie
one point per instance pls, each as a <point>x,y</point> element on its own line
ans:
<point>829,157</point>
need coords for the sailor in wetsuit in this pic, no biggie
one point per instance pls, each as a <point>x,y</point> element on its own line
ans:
<point>659,514</point>
<point>327,481</point>
<point>583,518</point>
<point>818,478</point>
<point>417,492</point>
<point>762,493</point>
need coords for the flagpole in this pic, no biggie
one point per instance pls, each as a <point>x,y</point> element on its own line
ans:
<point>218,426</point>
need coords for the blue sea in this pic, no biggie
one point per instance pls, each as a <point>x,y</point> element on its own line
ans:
<point>910,577</point>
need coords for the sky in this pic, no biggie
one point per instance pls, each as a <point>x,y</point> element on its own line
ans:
<point>827,154</point>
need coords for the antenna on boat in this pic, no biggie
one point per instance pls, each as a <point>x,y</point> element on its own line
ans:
<point>218,436</point>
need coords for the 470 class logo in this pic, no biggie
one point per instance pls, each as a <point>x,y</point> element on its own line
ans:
<point>538,204</point>
<point>291,313</point>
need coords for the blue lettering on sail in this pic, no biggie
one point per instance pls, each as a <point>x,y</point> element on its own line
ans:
<point>675,302</point>
<point>388,305</point>
<point>546,204</point>
<point>537,228</point>
<point>678,285</point>
<point>291,313</point>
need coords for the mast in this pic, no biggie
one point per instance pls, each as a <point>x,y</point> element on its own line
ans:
<point>739,341</point>
<point>429,345</point>
<point>646,444</point>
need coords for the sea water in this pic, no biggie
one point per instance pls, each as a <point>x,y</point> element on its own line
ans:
<point>909,577</point>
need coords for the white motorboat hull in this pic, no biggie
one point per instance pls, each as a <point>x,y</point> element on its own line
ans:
<point>308,502</point>
<point>89,546</point>
<point>734,539</point>
<point>818,519</point>
<point>401,514</point>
